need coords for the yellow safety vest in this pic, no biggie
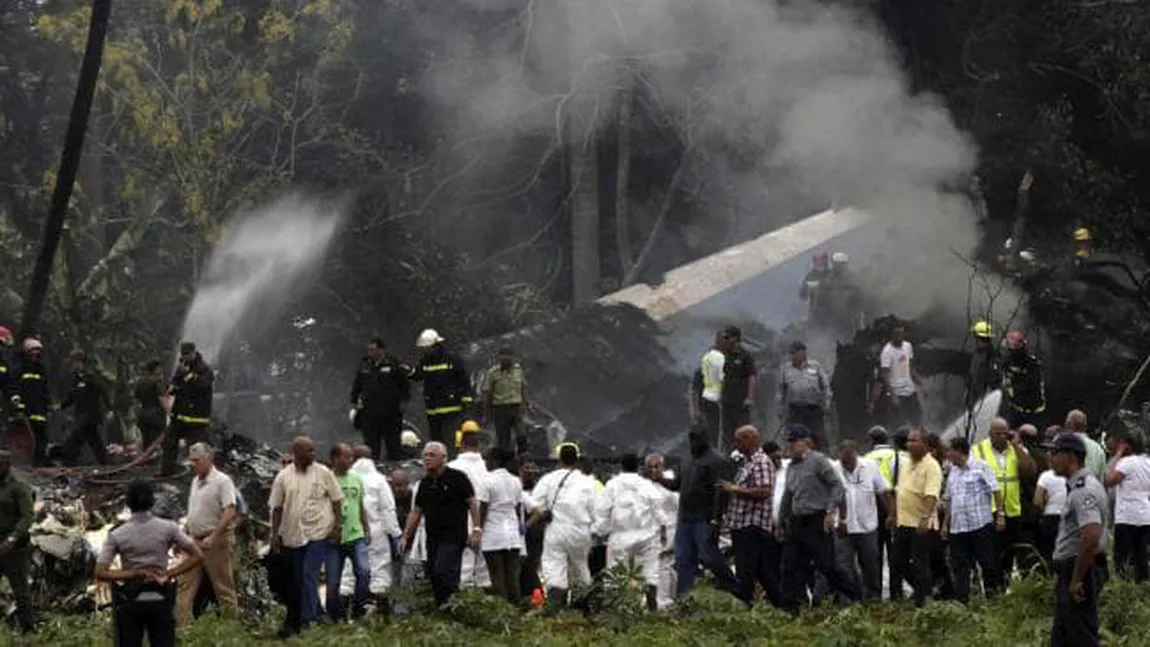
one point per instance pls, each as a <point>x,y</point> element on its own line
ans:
<point>1007,479</point>
<point>885,459</point>
<point>708,383</point>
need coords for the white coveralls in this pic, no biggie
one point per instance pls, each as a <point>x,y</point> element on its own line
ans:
<point>473,568</point>
<point>630,514</point>
<point>567,539</point>
<point>379,504</point>
<point>670,503</point>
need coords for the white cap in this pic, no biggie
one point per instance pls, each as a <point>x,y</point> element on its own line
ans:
<point>428,338</point>
<point>351,415</point>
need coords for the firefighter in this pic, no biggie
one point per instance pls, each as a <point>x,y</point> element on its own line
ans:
<point>1023,385</point>
<point>839,270</point>
<point>818,274</point>
<point>1083,245</point>
<point>985,373</point>
<point>7,341</point>
<point>446,386</point>
<point>91,405</point>
<point>191,387</point>
<point>31,398</point>
<point>379,396</point>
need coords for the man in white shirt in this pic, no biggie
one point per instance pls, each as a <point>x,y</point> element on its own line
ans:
<point>473,571</point>
<point>712,371</point>
<point>383,524</point>
<point>565,499</point>
<point>670,501</point>
<point>867,492</point>
<point>502,517</point>
<point>631,515</point>
<point>897,392</point>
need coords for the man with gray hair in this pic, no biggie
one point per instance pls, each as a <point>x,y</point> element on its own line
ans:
<point>211,523</point>
<point>1095,454</point>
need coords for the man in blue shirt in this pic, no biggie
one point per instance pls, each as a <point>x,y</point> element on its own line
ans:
<point>968,519</point>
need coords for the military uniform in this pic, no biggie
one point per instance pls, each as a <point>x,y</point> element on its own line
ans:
<point>1076,621</point>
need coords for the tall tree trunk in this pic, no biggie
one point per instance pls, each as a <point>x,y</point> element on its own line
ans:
<point>69,162</point>
<point>584,170</point>
<point>623,178</point>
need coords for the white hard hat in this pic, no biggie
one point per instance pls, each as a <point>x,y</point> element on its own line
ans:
<point>409,438</point>
<point>351,415</point>
<point>428,338</point>
<point>840,258</point>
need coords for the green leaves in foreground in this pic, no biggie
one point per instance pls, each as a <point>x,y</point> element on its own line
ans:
<point>710,619</point>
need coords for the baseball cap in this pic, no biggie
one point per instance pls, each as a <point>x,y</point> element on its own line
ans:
<point>1066,442</point>
<point>798,432</point>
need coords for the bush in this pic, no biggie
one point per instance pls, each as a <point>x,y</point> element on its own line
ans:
<point>711,619</point>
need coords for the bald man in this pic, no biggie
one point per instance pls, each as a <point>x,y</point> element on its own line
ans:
<point>1095,454</point>
<point>306,502</point>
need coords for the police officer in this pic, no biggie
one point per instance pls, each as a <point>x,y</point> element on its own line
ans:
<point>379,395</point>
<point>192,409</point>
<point>1079,550</point>
<point>91,406</point>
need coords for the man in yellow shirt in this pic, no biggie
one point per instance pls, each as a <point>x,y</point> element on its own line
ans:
<point>915,526</point>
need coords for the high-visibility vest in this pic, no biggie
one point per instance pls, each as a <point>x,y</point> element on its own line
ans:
<point>709,384</point>
<point>884,456</point>
<point>1007,479</point>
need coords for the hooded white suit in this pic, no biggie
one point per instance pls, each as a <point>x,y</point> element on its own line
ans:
<point>473,568</point>
<point>670,503</point>
<point>379,504</point>
<point>570,496</point>
<point>631,513</point>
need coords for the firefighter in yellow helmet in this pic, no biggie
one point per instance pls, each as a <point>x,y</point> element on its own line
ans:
<point>985,373</point>
<point>468,427</point>
<point>1083,244</point>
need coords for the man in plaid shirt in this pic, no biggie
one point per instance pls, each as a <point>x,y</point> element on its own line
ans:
<point>970,487</point>
<point>749,517</point>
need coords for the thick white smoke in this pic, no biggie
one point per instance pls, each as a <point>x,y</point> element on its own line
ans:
<point>810,90</point>
<point>262,261</point>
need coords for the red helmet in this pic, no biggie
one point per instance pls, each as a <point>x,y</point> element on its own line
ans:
<point>819,259</point>
<point>1015,339</point>
<point>6,337</point>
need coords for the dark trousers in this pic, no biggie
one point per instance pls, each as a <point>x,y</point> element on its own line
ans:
<point>1047,533</point>
<point>1007,541</point>
<point>87,434</point>
<point>40,433</point>
<point>177,431</point>
<point>507,419</point>
<point>529,570</point>
<point>1130,550</point>
<point>693,545</point>
<point>756,562</point>
<point>861,552</point>
<point>504,568</point>
<point>14,567</point>
<point>810,416</point>
<point>293,590</point>
<point>907,412</point>
<point>1076,623</point>
<point>733,416</point>
<point>810,549</point>
<point>968,548</point>
<point>382,431</point>
<point>157,619</point>
<point>910,557</point>
<point>441,427</point>
<point>150,430</point>
<point>444,563</point>
<point>712,416</point>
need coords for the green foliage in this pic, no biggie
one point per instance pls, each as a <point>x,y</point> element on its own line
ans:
<point>1021,618</point>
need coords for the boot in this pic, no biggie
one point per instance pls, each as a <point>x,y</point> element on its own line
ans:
<point>557,597</point>
<point>652,598</point>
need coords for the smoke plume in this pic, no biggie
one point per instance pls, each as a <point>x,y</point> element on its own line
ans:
<point>804,90</point>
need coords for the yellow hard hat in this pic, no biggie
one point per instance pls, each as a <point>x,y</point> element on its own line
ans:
<point>1082,234</point>
<point>468,427</point>
<point>982,329</point>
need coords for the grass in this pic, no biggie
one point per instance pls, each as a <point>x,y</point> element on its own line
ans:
<point>711,619</point>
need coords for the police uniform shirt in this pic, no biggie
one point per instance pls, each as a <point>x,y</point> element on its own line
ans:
<point>1086,503</point>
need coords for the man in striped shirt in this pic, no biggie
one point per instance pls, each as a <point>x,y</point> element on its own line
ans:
<point>968,519</point>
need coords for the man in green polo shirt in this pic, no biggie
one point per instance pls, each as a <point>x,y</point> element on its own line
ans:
<point>354,538</point>
<point>505,399</point>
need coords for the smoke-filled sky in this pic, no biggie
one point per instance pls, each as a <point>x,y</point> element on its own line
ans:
<point>812,89</point>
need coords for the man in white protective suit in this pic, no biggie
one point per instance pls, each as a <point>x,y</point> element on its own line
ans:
<point>659,477</point>
<point>379,504</point>
<point>473,570</point>
<point>564,499</point>
<point>631,515</point>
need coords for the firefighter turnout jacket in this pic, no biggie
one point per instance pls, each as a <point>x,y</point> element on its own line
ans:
<point>1023,383</point>
<point>30,396</point>
<point>446,382</point>
<point>89,397</point>
<point>192,388</point>
<point>381,387</point>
